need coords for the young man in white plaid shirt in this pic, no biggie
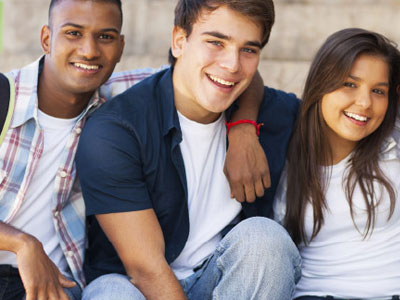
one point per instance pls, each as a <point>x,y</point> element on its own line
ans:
<point>42,228</point>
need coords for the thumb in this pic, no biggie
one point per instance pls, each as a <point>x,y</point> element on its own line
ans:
<point>65,282</point>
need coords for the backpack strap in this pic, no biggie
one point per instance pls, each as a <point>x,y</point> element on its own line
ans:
<point>7,103</point>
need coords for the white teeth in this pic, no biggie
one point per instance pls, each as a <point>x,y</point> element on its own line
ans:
<point>356,117</point>
<point>221,81</point>
<point>86,67</point>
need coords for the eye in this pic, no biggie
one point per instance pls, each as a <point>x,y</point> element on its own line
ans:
<point>379,92</point>
<point>105,36</point>
<point>73,33</point>
<point>216,43</point>
<point>249,50</point>
<point>349,84</point>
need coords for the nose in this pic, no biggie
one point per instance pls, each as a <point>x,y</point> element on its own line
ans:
<point>89,48</point>
<point>231,60</point>
<point>364,98</point>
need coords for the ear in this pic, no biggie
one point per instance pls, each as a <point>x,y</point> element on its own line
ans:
<point>178,41</point>
<point>45,35</point>
<point>122,41</point>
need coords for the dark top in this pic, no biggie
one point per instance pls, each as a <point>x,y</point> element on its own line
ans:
<point>129,159</point>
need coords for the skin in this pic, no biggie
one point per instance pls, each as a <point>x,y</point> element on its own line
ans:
<point>364,95</point>
<point>218,49</point>
<point>252,177</point>
<point>82,32</point>
<point>137,235</point>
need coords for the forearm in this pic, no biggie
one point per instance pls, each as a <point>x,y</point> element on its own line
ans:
<point>157,282</point>
<point>137,237</point>
<point>246,166</point>
<point>13,239</point>
<point>249,102</point>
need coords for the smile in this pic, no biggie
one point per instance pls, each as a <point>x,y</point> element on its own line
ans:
<point>221,81</point>
<point>86,67</point>
<point>356,117</point>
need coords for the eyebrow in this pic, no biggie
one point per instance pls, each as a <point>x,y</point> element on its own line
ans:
<point>82,27</point>
<point>359,79</point>
<point>228,38</point>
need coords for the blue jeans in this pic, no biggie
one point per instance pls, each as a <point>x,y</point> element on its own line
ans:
<point>255,260</point>
<point>11,287</point>
<point>332,298</point>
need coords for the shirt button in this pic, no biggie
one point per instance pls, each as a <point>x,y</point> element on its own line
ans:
<point>63,174</point>
<point>70,142</point>
<point>70,253</point>
<point>78,130</point>
<point>56,214</point>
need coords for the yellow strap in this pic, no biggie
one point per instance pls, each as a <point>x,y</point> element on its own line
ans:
<point>10,112</point>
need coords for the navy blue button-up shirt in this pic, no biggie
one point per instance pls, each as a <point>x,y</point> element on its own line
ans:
<point>138,165</point>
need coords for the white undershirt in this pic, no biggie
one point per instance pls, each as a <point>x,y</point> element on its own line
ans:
<point>211,208</point>
<point>338,261</point>
<point>35,215</point>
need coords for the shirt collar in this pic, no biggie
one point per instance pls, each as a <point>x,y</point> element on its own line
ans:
<point>26,86</point>
<point>391,146</point>
<point>26,102</point>
<point>167,103</point>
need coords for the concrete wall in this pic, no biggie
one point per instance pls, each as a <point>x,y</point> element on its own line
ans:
<point>301,26</point>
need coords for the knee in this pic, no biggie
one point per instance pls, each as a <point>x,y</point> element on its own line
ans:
<point>111,286</point>
<point>263,237</point>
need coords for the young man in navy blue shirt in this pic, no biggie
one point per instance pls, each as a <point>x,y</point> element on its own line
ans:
<point>163,224</point>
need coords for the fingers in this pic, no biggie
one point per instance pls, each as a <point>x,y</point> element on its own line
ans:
<point>250,193</point>
<point>259,187</point>
<point>237,192</point>
<point>64,282</point>
<point>266,181</point>
<point>266,176</point>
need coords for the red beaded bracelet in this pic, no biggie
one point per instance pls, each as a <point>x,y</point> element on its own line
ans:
<point>229,125</point>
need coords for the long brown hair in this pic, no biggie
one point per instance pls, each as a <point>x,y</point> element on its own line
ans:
<point>309,148</point>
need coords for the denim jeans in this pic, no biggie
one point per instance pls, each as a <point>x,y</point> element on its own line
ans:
<point>255,260</point>
<point>11,287</point>
<point>333,298</point>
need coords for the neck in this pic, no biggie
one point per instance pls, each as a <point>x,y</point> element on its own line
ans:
<point>188,106</point>
<point>57,103</point>
<point>341,151</point>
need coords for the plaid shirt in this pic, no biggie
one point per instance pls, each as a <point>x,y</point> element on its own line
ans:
<point>22,148</point>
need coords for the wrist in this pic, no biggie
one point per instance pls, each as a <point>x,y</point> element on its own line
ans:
<point>24,240</point>
<point>246,126</point>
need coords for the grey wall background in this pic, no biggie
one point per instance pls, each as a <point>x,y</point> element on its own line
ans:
<point>301,27</point>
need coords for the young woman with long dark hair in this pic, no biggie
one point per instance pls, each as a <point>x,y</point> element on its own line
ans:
<point>337,197</point>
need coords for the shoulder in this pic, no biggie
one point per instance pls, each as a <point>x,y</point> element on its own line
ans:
<point>121,81</point>
<point>278,109</point>
<point>135,99</point>
<point>135,111</point>
<point>280,99</point>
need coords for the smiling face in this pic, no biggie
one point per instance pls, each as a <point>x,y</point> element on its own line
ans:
<point>358,108</point>
<point>215,64</point>
<point>82,45</point>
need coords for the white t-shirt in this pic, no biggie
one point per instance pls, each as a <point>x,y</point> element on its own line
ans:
<point>35,216</point>
<point>339,261</point>
<point>211,208</point>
